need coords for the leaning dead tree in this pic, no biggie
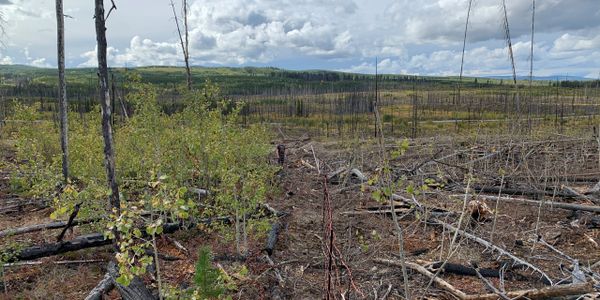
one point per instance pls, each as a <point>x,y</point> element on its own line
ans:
<point>184,39</point>
<point>62,88</point>
<point>510,54</point>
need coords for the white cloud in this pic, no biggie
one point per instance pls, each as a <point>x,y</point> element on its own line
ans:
<point>40,63</point>
<point>6,60</point>
<point>422,37</point>
<point>571,42</point>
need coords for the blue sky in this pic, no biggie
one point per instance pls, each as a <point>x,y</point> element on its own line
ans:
<point>409,37</point>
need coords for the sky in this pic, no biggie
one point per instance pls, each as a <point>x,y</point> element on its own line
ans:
<point>407,36</point>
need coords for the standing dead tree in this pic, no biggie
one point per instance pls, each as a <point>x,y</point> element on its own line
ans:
<point>107,134</point>
<point>137,289</point>
<point>62,88</point>
<point>184,40</point>
<point>532,40</point>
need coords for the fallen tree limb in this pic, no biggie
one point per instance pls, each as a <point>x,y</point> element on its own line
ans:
<point>488,245</point>
<point>550,204</point>
<point>103,287</point>
<point>69,222</point>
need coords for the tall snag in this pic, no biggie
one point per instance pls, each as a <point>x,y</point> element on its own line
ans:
<point>109,152</point>
<point>62,88</point>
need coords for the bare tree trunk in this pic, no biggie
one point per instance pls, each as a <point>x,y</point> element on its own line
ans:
<point>62,89</point>
<point>184,43</point>
<point>109,152</point>
<point>187,45</point>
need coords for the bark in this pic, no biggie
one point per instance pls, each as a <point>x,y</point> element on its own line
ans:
<point>136,290</point>
<point>62,89</point>
<point>103,287</point>
<point>272,238</point>
<point>107,134</point>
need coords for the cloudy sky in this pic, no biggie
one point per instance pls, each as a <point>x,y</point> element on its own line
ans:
<point>413,37</point>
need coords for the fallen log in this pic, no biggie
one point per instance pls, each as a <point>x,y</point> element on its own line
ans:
<point>103,287</point>
<point>91,241</point>
<point>464,270</point>
<point>40,227</point>
<point>62,262</point>
<point>136,290</point>
<point>19,206</point>
<point>50,249</point>
<point>488,245</point>
<point>550,204</point>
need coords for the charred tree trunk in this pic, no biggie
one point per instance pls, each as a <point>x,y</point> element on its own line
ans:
<point>109,152</point>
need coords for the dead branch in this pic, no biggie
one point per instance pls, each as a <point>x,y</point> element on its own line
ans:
<point>69,222</point>
<point>488,245</point>
<point>489,285</point>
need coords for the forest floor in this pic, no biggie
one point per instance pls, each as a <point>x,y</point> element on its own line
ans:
<point>363,233</point>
